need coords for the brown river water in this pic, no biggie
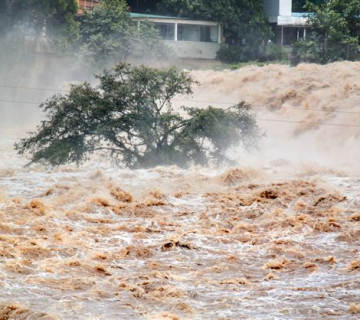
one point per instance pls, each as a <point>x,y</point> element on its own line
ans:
<point>274,237</point>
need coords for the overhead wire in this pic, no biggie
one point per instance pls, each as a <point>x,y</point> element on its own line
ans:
<point>206,101</point>
<point>32,88</point>
<point>175,99</point>
<point>216,102</point>
<point>310,122</point>
<point>262,106</point>
<point>20,102</point>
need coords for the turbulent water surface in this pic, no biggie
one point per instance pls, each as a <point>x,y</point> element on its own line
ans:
<point>276,237</point>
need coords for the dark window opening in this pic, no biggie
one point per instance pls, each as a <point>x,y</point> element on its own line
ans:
<point>166,30</point>
<point>191,32</point>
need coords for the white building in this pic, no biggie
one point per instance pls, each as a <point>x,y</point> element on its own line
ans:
<point>188,38</point>
<point>202,39</point>
<point>288,26</point>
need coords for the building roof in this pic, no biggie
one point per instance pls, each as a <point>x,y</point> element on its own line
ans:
<point>301,14</point>
<point>154,16</point>
<point>170,19</point>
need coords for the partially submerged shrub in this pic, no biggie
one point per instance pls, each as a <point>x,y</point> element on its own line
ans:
<point>129,117</point>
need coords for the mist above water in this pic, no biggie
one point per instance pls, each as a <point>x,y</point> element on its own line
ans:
<point>309,112</point>
<point>276,237</point>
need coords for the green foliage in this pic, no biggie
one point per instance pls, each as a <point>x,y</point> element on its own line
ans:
<point>56,18</point>
<point>335,30</point>
<point>300,5</point>
<point>235,54</point>
<point>3,15</point>
<point>129,117</point>
<point>274,52</point>
<point>239,65</point>
<point>117,5</point>
<point>184,8</point>
<point>243,21</point>
<point>109,35</point>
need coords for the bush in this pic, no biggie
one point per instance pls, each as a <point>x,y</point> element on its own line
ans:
<point>275,52</point>
<point>237,53</point>
<point>129,117</point>
<point>321,51</point>
<point>334,32</point>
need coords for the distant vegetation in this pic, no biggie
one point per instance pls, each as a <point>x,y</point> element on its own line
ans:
<point>245,25</point>
<point>300,5</point>
<point>335,32</point>
<point>243,54</point>
<point>108,35</point>
<point>129,117</point>
<point>101,37</point>
<point>35,17</point>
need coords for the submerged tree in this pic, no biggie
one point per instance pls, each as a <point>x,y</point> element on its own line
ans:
<point>129,117</point>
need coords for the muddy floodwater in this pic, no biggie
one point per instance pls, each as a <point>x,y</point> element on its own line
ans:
<point>276,236</point>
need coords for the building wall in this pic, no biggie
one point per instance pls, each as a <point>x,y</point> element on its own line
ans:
<point>275,8</point>
<point>185,48</point>
<point>88,4</point>
<point>285,7</point>
<point>194,50</point>
<point>271,8</point>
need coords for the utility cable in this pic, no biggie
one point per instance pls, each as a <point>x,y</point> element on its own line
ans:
<point>185,100</point>
<point>32,88</point>
<point>262,106</point>
<point>312,123</point>
<point>215,102</point>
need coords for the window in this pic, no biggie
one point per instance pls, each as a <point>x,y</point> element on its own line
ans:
<point>192,32</point>
<point>166,30</point>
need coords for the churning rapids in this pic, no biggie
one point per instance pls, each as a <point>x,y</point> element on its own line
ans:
<point>276,237</point>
